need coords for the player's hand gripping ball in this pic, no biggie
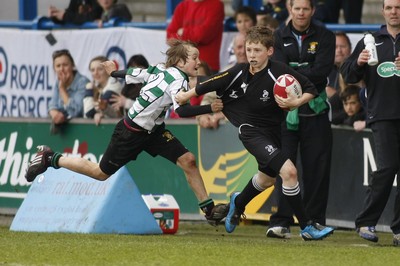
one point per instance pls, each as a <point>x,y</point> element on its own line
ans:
<point>287,81</point>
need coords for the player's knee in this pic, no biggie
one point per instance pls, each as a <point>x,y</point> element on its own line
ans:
<point>187,161</point>
<point>288,171</point>
<point>291,173</point>
<point>263,181</point>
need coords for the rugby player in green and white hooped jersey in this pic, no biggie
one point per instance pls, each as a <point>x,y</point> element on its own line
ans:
<point>143,128</point>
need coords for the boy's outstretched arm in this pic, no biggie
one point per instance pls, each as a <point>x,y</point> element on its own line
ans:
<point>111,70</point>
<point>183,97</point>
<point>188,110</point>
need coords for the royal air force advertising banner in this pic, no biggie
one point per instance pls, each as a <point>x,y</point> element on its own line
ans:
<point>26,70</point>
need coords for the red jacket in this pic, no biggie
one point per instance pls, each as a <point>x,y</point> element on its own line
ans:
<point>202,23</point>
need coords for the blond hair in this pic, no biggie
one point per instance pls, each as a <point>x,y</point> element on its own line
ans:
<point>177,51</point>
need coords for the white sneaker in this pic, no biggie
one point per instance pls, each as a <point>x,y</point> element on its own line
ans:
<point>368,233</point>
<point>396,240</point>
<point>278,232</point>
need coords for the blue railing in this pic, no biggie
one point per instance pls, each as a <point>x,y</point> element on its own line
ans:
<point>44,23</point>
<point>28,9</point>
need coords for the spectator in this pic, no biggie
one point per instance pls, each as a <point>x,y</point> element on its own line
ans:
<point>68,91</point>
<point>238,49</point>
<point>96,103</point>
<point>212,120</point>
<point>310,50</point>
<point>335,82</point>
<point>111,9</point>
<point>383,117</point>
<point>322,12</point>
<point>316,18</point>
<point>78,12</point>
<point>201,22</point>
<point>353,109</point>
<point>276,9</point>
<point>342,52</point>
<point>235,4</point>
<point>245,17</point>
<point>129,92</point>
<point>269,22</point>
<point>352,10</point>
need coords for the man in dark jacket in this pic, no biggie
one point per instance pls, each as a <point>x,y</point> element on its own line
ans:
<point>310,50</point>
<point>383,117</point>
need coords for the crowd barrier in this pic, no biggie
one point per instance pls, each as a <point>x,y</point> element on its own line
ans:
<point>223,162</point>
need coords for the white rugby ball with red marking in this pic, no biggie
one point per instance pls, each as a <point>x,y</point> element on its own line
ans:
<point>287,81</point>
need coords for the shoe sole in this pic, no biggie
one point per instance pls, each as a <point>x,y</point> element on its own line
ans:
<point>321,238</point>
<point>369,238</point>
<point>273,235</point>
<point>315,239</point>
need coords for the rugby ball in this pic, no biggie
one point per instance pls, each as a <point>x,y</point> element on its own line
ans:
<point>287,81</point>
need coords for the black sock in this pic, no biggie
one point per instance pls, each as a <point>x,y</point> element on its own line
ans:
<point>248,193</point>
<point>207,206</point>
<point>293,196</point>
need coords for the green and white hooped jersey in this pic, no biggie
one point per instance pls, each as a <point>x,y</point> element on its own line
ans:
<point>157,94</point>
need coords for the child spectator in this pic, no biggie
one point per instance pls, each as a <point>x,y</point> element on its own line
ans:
<point>129,92</point>
<point>353,109</point>
<point>96,103</point>
<point>245,18</point>
<point>268,21</point>
<point>113,10</point>
<point>276,9</point>
<point>68,92</point>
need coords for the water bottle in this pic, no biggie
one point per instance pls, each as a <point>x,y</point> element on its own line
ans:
<point>369,42</point>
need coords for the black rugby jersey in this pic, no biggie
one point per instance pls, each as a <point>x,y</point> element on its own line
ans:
<point>248,98</point>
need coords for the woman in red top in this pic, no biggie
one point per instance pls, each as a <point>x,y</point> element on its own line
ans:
<point>201,22</point>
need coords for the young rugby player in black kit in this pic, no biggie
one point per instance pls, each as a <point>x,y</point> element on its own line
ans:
<point>246,91</point>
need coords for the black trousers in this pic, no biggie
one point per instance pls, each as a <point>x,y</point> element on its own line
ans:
<point>352,10</point>
<point>313,141</point>
<point>387,156</point>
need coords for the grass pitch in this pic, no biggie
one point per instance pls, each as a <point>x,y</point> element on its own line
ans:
<point>194,244</point>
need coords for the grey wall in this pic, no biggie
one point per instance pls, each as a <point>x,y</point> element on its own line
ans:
<point>9,8</point>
